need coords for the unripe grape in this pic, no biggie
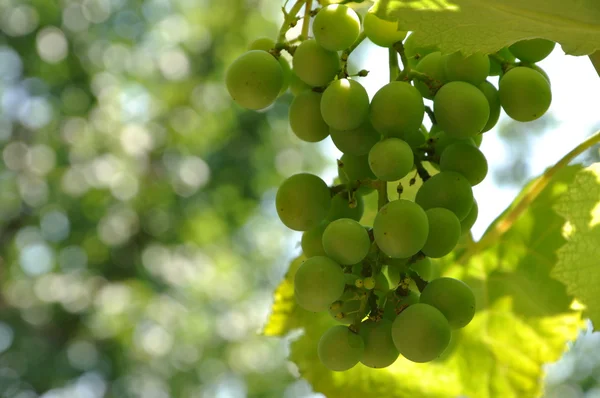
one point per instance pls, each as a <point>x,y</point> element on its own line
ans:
<point>305,117</point>
<point>369,283</point>
<point>297,86</point>
<point>254,79</point>
<point>401,228</point>
<point>315,65</point>
<point>356,168</point>
<point>444,232</point>
<point>319,281</point>
<point>525,94</point>
<point>381,32</point>
<point>465,159</point>
<point>340,348</point>
<point>471,69</point>
<point>347,313</point>
<point>453,298</point>
<point>345,104</point>
<point>346,241</point>
<point>533,50</point>
<point>461,109</point>
<point>396,302</point>
<point>496,66</point>
<point>336,27</point>
<point>312,241</point>
<point>391,159</point>
<point>415,53</point>
<point>491,94</point>
<point>356,141</point>
<point>449,190</point>
<point>441,141</point>
<point>469,220</point>
<point>397,109</point>
<point>423,267</point>
<point>380,351</point>
<point>340,208</point>
<point>302,201</point>
<point>432,65</point>
<point>415,138</point>
<point>266,44</point>
<point>421,333</point>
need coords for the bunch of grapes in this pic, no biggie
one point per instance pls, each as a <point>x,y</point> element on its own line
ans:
<point>378,281</point>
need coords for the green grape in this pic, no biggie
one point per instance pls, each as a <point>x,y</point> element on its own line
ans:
<point>493,98</point>
<point>533,50</point>
<point>266,44</point>
<point>471,69</point>
<point>415,138</point>
<point>421,333</point>
<point>303,201</point>
<point>346,241</point>
<point>357,141</point>
<point>381,32</point>
<point>453,298</point>
<point>423,267</point>
<point>432,65</point>
<point>444,232</point>
<point>543,72</point>
<point>396,302</point>
<point>391,159</point>
<point>347,313</point>
<point>312,241</point>
<point>461,109</point>
<point>477,140</point>
<point>369,283</point>
<point>340,348</point>
<point>315,65</point>
<point>336,27</point>
<point>449,190</point>
<point>356,168</point>
<point>305,117</point>
<point>465,159</point>
<point>319,281</point>
<point>380,351</point>
<point>396,266</point>
<point>397,109</point>
<point>297,86</point>
<point>381,283</point>
<point>340,208</point>
<point>254,79</point>
<point>415,53</point>
<point>441,141</point>
<point>496,66</point>
<point>469,220</point>
<point>525,94</point>
<point>345,104</point>
<point>401,228</point>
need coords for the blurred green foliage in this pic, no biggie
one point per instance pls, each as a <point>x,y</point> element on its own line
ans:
<point>139,248</point>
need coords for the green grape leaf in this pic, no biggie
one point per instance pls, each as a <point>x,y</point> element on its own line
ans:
<point>520,323</point>
<point>487,26</point>
<point>578,264</point>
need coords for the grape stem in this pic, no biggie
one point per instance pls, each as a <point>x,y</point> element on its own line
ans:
<point>289,21</point>
<point>431,115</point>
<point>346,54</point>
<point>533,192</point>
<point>355,327</point>
<point>424,174</point>
<point>399,47</point>
<point>353,186</point>
<point>393,64</point>
<point>306,20</point>
<point>382,194</point>
<point>595,58</point>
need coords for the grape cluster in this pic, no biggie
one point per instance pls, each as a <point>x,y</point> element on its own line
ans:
<point>378,281</point>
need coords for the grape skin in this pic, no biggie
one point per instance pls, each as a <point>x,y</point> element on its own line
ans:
<point>319,281</point>
<point>347,312</point>
<point>421,333</point>
<point>414,53</point>
<point>336,27</point>
<point>345,104</point>
<point>525,94</point>
<point>380,351</point>
<point>467,223</point>
<point>391,159</point>
<point>305,117</point>
<point>443,141</point>
<point>453,298</point>
<point>312,241</point>
<point>356,141</point>
<point>315,65</point>
<point>471,69</point>
<point>449,190</point>
<point>254,79</point>
<point>444,232</point>
<point>381,32</point>
<point>397,109</point>
<point>465,159</point>
<point>340,208</point>
<point>346,241</point>
<point>461,109</point>
<point>401,228</point>
<point>302,201</point>
<point>340,349</point>
<point>266,44</point>
<point>423,267</point>
<point>533,50</point>
<point>433,65</point>
<point>356,168</point>
<point>491,94</point>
